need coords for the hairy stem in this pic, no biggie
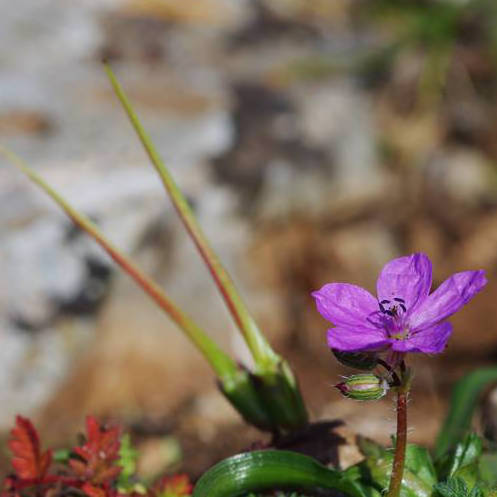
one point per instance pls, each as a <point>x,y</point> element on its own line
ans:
<point>400,444</point>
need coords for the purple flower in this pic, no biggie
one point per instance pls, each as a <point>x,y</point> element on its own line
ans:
<point>404,317</point>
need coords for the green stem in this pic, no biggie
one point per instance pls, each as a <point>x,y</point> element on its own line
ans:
<point>257,343</point>
<point>222,364</point>
<point>400,444</point>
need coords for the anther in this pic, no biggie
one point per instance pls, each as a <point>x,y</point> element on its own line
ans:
<point>385,301</point>
<point>398,299</point>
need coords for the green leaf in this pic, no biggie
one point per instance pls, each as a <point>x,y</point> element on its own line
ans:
<point>243,395</point>
<point>488,468</point>
<point>263,354</point>
<point>62,455</point>
<point>287,408</point>
<point>466,454</point>
<point>462,405</point>
<point>456,487</point>
<point>419,462</point>
<point>128,456</point>
<point>281,395</point>
<point>273,469</point>
<point>419,473</point>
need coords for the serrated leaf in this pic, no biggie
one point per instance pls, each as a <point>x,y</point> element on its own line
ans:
<point>28,460</point>
<point>174,486</point>
<point>465,454</point>
<point>96,460</point>
<point>453,487</point>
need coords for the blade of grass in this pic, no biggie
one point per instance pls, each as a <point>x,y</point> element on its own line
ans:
<point>221,363</point>
<point>463,402</point>
<point>262,352</point>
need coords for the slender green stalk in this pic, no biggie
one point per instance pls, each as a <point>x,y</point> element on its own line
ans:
<point>221,363</point>
<point>262,352</point>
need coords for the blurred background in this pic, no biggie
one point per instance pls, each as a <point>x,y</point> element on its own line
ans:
<point>315,139</point>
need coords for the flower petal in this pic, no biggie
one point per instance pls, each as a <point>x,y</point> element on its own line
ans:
<point>447,299</point>
<point>408,278</point>
<point>428,341</point>
<point>356,339</point>
<point>345,305</point>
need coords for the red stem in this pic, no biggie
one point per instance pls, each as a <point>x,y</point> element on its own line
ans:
<point>400,445</point>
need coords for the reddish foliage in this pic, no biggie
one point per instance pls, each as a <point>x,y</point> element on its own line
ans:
<point>93,491</point>
<point>28,461</point>
<point>95,460</point>
<point>92,467</point>
<point>174,486</point>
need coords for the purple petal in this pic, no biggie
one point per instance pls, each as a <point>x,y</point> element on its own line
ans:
<point>407,278</point>
<point>356,339</point>
<point>345,305</point>
<point>428,341</point>
<point>448,298</point>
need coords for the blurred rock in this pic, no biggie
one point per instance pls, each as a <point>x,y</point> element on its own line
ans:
<point>465,176</point>
<point>22,121</point>
<point>217,14</point>
<point>338,119</point>
<point>478,248</point>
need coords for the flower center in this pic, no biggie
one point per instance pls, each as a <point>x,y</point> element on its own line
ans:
<point>394,312</point>
<point>394,307</point>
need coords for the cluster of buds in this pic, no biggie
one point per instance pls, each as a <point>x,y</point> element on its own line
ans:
<point>364,386</point>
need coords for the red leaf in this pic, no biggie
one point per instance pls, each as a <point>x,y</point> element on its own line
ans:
<point>174,486</point>
<point>95,460</point>
<point>93,491</point>
<point>28,461</point>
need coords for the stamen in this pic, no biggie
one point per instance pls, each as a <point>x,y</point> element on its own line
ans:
<point>392,307</point>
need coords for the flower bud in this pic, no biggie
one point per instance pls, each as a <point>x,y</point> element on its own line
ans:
<point>365,361</point>
<point>363,387</point>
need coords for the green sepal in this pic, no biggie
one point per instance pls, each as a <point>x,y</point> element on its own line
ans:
<point>365,361</point>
